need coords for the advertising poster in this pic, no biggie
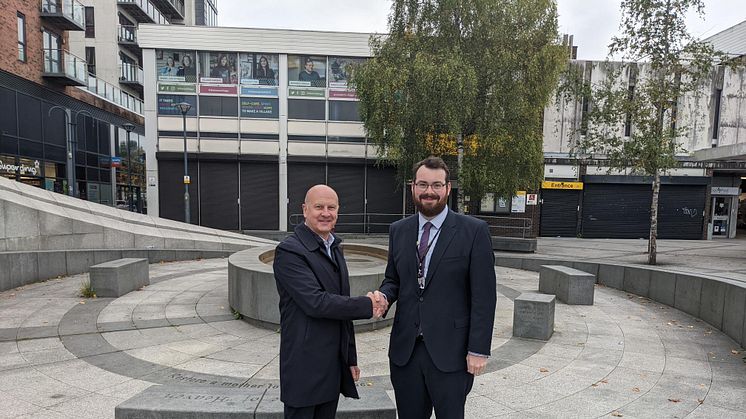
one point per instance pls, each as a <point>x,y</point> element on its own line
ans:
<point>178,66</point>
<point>259,91</point>
<point>167,104</point>
<point>218,67</point>
<point>255,107</point>
<point>518,205</point>
<point>306,71</point>
<point>218,89</point>
<point>257,68</point>
<point>340,70</point>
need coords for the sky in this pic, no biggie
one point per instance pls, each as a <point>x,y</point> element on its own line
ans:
<point>591,22</point>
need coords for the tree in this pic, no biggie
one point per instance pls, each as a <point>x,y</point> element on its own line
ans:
<point>665,65</point>
<point>471,72</point>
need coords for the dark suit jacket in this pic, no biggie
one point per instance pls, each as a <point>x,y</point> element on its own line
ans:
<point>456,310</point>
<point>317,341</point>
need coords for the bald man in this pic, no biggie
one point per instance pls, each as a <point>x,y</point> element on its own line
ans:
<point>318,359</point>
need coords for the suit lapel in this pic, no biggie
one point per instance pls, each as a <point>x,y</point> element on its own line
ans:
<point>408,268</point>
<point>319,259</point>
<point>447,231</point>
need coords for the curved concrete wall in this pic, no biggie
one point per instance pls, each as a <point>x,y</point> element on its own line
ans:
<point>719,302</point>
<point>253,293</point>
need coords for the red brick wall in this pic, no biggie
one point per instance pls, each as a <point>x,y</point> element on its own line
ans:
<point>32,68</point>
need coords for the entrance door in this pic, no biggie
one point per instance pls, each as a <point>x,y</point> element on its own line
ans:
<point>721,214</point>
<point>559,212</point>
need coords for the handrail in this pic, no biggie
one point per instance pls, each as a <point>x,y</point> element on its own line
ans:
<point>130,72</point>
<point>57,61</point>
<point>149,10</point>
<point>127,33</point>
<point>113,94</point>
<point>72,9</point>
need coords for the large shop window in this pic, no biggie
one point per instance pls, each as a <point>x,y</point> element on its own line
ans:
<point>306,109</point>
<point>167,104</point>
<point>218,106</point>
<point>30,123</point>
<point>344,110</point>
<point>8,114</point>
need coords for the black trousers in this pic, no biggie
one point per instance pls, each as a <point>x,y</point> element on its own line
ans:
<point>420,385</point>
<point>320,411</point>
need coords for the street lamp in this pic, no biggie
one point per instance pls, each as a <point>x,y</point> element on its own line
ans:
<point>71,140</point>
<point>129,127</point>
<point>460,192</point>
<point>184,107</point>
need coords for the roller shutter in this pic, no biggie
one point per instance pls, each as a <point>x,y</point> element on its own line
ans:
<point>616,211</point>
<point>385,199</point>
<point>349,183</point>
<point>219,194</point>
<point>559,212</point>
<point>680,212</point>
<point>301,176</point>
<point>260,206</point>
<point>171,190</point>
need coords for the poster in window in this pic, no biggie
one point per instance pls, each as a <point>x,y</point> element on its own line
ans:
<point>175,65</point>
<point>218,67</point>
<point>258,68</point>
<point>167,104</point>
<point>518,204</point>
<point>487,204</point>
<point>256,107</point>
<point>340,70</point>
<point>306,71</point>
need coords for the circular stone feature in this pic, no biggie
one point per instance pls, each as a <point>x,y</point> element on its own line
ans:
<point>252,291</point>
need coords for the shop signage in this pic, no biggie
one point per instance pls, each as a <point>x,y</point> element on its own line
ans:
<point>306,92</point>
<point>22,169</point>
<point>219,89</point>
<point>549,184</point>
<point>116,162</point>
<point>343,94</point>
<point>722,190</point>
<point>177,88</point>
<point>532,199</point>
<point>258,91</point>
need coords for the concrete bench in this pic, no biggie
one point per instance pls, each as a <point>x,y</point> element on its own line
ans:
<point>118,277</point>
<point>533,316</point>
<point>204,402</point>
<point>570,285</point>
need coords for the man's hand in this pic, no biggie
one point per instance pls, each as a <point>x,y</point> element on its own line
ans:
<point>475,364</point>
<point>380,305</point>
<point>355,372</point>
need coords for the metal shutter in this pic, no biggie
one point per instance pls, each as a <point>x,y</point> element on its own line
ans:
<point>349,183</point>
<point>559,212</point>
<point>219,194</point>
<point>171,190</point>
<point>680,210</point>
<point>385,199</point>
<point>616,211</point>
<point>301,176</point>
<point>260,206</point>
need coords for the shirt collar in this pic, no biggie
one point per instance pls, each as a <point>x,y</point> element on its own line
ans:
<point>328,242</point>
<point>437,221</point>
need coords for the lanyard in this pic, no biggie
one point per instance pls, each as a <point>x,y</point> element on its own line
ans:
<point>421,260</point>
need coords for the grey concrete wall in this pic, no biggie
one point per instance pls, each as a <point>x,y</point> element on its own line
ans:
<point>719,302</point>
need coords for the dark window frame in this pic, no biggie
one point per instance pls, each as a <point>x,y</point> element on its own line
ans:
<point>90,26</point>
<point>21,33</point>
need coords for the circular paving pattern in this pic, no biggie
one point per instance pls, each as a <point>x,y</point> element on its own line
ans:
<point>625,356</point>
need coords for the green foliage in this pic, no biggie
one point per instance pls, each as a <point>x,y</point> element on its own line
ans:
<point>86,291</point>
<point>480,70</point>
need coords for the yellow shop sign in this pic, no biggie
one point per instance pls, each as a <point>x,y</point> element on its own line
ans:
<point>550,184</point>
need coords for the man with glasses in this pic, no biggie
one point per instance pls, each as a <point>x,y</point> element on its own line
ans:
<point>441,271</point>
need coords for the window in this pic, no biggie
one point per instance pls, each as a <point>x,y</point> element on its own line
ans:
<point>306,109</point>
<point>90,23</point>
<point>21,36</point>
<point>343,111</point>
<point>488,204</point>
<point>90,58</point>
<point>257,107</point>
<point>218,106</point>
<point>52,52</point>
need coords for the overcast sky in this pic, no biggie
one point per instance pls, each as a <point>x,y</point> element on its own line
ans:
<point>592,22</point>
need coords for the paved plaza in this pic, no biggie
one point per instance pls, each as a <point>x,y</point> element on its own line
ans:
<point>65,356</point>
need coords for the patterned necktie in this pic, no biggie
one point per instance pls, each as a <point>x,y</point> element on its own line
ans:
<point>424,241</point>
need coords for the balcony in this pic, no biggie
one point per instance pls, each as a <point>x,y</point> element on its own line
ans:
<point>127,38</point>
<point>131,75</point>
<point>64,15</point>
<point>143,11</point>
<point>113,94</point>
<point>64,68</point>
<point>171,8</point>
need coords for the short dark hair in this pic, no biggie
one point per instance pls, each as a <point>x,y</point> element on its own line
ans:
<point>432,162</point>
<point>307,60</point>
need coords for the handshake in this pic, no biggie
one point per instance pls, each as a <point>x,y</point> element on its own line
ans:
<point>380,303</point>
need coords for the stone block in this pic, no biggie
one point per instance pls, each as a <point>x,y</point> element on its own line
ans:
<point>149,242</point>
<point>688,293</point>
<point>548,279</point>
<point>79,261</point>
<point>118,239</point>
<point>73,241</point>
<point>636,281</point>
<point>570,285</point>
<point>734,312</point>
<point>509,262</point>
<point>712,301</point>
<point>23,268</point>
<point>23,244</point>
<point>611,276</point>
<point>118,277</point>
<point>513,244</point>
<point>51,264</point>
<point>54,224</point>
<point>136,253</point>
<point>534,265</point>
<point>662,287</point>
<point>589,267</point>
<point>533,316</point>
<point>5,282</point>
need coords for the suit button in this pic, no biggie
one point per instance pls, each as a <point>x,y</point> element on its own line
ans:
<point>422,299</point>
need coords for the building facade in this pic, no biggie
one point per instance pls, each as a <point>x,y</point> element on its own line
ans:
<point>60,127</point>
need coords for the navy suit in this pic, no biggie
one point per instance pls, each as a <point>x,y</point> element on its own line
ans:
<point>317,344</point>
<point>453,314</point>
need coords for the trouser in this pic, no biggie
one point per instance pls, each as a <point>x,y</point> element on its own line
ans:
<point>320,411</point>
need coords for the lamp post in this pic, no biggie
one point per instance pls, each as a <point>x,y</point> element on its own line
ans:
<point>129,127</point>
<point>184,107</point>
<point>72,142</point>
<point>460,195</point>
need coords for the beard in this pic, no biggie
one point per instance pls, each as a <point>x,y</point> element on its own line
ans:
<point>430,210</point>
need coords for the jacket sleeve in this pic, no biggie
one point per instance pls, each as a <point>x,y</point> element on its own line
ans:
<point>390,284</point>
<point>294,275</point>
<point>483,285</point>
